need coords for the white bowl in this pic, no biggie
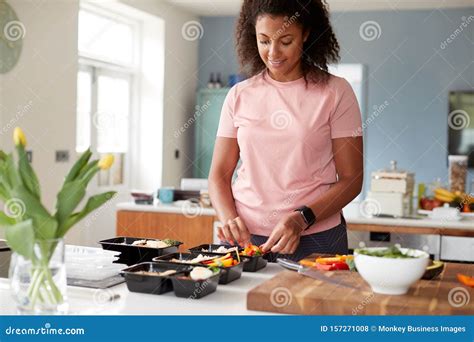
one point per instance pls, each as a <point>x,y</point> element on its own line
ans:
<point>392,276</point>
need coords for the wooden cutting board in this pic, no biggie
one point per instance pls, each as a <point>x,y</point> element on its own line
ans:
<point>291,293</point>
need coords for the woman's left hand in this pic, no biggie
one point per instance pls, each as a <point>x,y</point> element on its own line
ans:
<point>285,237</point>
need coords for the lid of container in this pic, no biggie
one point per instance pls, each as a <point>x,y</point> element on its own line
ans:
<point>392,172</point>
<point>3,246</point>
<point>454,158</point>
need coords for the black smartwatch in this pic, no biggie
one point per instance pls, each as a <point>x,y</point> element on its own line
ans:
<point>308,216</point>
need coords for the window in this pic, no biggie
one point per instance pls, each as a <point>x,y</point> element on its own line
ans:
<point>108,58</point>
<point>107,38</point>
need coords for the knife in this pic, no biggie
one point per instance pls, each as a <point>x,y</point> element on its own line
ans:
<point>307,271</point>
<point>397,217</point>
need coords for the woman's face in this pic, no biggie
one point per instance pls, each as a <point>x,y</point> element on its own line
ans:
<point>280,45</point>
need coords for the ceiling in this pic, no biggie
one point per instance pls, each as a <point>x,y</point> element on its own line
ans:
<point>231,7</point>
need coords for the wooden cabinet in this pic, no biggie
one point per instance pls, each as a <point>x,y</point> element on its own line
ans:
<point>192,231</point>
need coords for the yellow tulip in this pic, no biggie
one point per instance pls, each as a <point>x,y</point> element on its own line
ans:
<point>19,137</point>
<point>106,162</point>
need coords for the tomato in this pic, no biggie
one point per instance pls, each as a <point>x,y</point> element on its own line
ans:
<point>322,267</point>
<point>341,265</point>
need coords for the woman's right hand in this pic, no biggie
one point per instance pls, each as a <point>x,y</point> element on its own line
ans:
<point>234,231</point>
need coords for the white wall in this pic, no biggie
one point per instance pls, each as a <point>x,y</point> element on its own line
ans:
<point>39,95</point>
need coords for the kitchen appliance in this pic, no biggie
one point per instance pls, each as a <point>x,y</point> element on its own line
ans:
<point>5,256</point>
<point>392,191</point>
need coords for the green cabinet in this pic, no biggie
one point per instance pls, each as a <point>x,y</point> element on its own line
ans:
<point>208,111</point>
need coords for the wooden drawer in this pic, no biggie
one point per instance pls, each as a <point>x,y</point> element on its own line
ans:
<point>457,248</point>
<point>192,231</point>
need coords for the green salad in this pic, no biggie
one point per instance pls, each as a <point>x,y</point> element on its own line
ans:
<point>389,252</point>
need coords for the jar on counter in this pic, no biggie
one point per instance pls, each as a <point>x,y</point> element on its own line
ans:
<point>457,173</point>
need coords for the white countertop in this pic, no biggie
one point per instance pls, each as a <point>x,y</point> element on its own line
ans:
<point>350,215</point>
<point>465,223</point>
<point>229,299</point>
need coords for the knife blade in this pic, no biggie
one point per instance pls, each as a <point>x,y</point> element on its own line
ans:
<point>396,217</point>
<point>315,274</point>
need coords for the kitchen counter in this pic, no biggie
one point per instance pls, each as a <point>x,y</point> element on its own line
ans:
<point>259,291</point>
<point>173,208</point>
<point>228,299</point>
<point>422,222</point>
<point>464,227</point>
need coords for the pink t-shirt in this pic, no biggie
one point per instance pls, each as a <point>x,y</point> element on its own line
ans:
<point>284,132</point>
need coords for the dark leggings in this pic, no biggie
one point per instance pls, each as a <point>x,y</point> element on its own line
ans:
<point>331,241</point>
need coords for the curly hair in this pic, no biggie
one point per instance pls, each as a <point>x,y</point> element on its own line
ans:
<point>320,49</point>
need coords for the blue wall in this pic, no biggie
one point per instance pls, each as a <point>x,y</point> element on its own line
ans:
<point>406,66</point>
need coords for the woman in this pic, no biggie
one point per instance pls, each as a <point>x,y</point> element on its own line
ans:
<point>297,131</point>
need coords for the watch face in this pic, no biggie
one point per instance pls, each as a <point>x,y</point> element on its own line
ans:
<point>12,32</point>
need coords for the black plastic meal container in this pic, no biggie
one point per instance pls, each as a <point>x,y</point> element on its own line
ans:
<point>227,275</point>
<point>211,248</point>
<point>152,284</point>
<point>253,264</point>
<point>132,255</point>
<point>194,289</point>
<point>5,256</point>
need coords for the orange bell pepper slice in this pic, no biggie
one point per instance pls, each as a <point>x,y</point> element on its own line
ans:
<point>308,263</point>
<point>328,261</point>
<point>466,280</point>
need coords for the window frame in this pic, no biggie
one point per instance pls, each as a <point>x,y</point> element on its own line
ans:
<point>96,66</point>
